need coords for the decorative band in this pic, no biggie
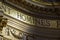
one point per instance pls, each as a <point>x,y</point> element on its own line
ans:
<point>30,19</point>
<point>40,10</point>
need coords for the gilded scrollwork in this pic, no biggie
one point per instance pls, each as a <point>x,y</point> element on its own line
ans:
<point>7,31</point>
<point>19,34</point>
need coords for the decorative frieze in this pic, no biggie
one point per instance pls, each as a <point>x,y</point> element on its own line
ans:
<point>44,8</point>
<point>27,32</point>
<point>30,19</point>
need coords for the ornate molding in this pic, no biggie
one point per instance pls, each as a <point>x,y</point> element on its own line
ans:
<point>44,33</point>
<point>41,10</point>
<point>30,19</point>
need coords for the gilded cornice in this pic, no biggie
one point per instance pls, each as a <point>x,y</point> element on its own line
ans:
<point>32,7</point>
<point>44,7</point>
